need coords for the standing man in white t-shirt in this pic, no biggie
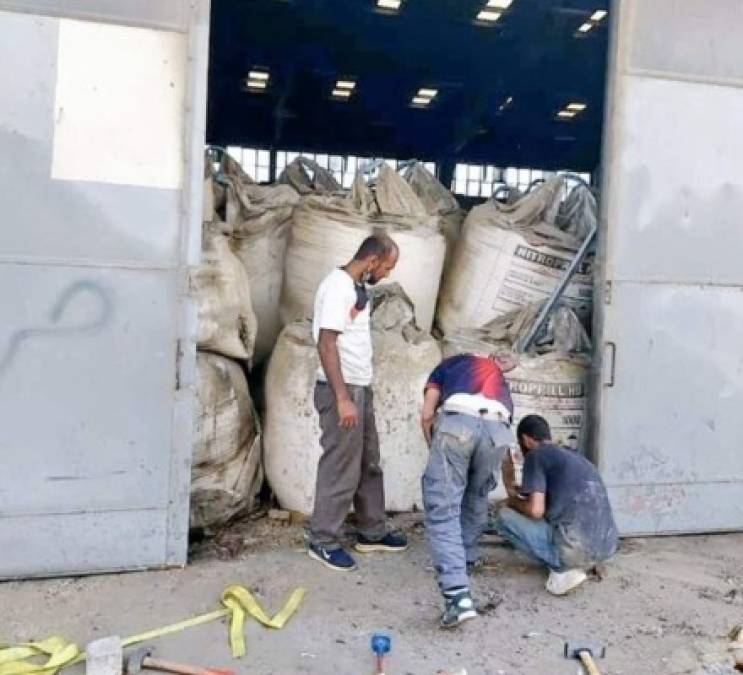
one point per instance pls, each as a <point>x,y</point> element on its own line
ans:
<point>349,472</point>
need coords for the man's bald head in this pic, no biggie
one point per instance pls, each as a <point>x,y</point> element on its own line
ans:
<point>378,253</point>
<point>380,245</point>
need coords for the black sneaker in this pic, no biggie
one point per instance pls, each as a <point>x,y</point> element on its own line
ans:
<point>335,558</point>
<point>390,542</point>
<point>459,608</point>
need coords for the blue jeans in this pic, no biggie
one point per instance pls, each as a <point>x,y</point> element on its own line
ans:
<point>465,460</point>
<point>536,538</point>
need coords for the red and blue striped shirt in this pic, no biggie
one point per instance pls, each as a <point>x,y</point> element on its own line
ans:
<point>470,374</point>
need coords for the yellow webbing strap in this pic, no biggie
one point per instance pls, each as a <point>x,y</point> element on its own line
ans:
<point>238,603</point>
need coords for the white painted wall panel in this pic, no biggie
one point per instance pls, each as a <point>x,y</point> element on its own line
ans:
<point>119,107</point>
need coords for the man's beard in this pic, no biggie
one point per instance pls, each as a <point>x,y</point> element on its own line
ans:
<point>369,279</point>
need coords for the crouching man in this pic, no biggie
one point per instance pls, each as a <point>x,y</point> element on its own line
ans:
<point>466,420</point>
<point>560,515</point>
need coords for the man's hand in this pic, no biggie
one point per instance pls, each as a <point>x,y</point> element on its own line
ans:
<point>348,414</point>
<point>506,362</point>
<point>327,347</point>
<point>428,414</point>
<point>501,504</point>
<point>427,426</point>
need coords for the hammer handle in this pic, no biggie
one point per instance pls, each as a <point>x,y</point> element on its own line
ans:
<point>588,663</point>
<point>172,667</point>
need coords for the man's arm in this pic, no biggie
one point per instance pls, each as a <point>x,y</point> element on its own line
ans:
<point>428,414</point>
<point>327,347</point>
<point>532,506</point>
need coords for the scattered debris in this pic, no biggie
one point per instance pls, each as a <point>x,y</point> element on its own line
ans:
<point>279,514</point>
<point>489,607</point>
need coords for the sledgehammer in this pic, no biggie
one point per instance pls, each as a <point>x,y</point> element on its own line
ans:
<point>585,653</point>
<point>142,659</point>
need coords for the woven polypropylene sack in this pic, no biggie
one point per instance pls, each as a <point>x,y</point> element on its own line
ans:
<point>327,232</point>
<point>260,235</point>
<point>403,358</point>
<point>509,256</point>
<point>226,466</point>
<point>439,202</point>
<point>226,320</point>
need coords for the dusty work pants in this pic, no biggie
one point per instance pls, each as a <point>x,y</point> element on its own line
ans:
<point>463,467</point>
<point>536,538</point>
<point>348,472</point>
<point>555,546</point>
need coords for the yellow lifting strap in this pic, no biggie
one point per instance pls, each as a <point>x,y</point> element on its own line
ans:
<point>238,602</point>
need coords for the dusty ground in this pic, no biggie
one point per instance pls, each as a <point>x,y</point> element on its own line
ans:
<point>665,606</point>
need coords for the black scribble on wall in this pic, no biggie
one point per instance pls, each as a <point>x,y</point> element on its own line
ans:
<point>55,316</point>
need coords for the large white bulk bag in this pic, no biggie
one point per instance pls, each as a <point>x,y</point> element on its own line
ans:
<point>260,235</point>
<point>403,358</point>
<point>226,472</point>
<point>551,384</point>
<point>227,323</point>
<point>509,256</point>
<point>327,232</point>
<point>307,177</point>
<point>438,201</point>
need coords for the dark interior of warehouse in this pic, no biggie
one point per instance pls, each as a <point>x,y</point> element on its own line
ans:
<point>451,82</point>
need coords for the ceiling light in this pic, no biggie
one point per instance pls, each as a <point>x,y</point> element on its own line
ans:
<point>585,27</point>
<point>341,93</point>
<point>598,15</point>
<point>257,84</point>
<point>345,84</point>
<point>258,75</point>
<point>490,17</point>
<point>427,93</point>
<point>566,114</point>
<point>420,100</point>
<point>389,4</point>
<point>500,4</point>
<point>576,107</point>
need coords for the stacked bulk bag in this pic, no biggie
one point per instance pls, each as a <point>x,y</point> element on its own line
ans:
<point>307,177</point>
<point>226,467</point>
<point>327,231</point>
<point>260,218</point>
<point>227,322</point>
<point>403,358</point>
<point>438,201</point>
<point>551,380</point>
<point>510,255</point>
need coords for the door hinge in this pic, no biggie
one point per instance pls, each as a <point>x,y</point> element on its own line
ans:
<point>607,292</point>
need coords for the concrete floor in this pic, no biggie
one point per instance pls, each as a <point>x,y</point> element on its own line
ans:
<point>665,606</point>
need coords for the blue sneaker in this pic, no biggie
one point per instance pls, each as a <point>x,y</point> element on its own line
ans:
<point>334,558</point>
<point>391,542</point>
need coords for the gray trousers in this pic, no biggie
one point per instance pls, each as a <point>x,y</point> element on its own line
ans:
<point>348,472</point>
<point>463,467</point>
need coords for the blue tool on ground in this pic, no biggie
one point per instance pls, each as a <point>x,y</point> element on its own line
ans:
<point>381,645</point>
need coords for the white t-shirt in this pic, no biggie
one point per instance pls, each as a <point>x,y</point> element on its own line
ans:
<point>335,310</point>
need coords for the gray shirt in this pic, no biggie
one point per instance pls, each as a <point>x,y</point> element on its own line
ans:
<point>577,505</point>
